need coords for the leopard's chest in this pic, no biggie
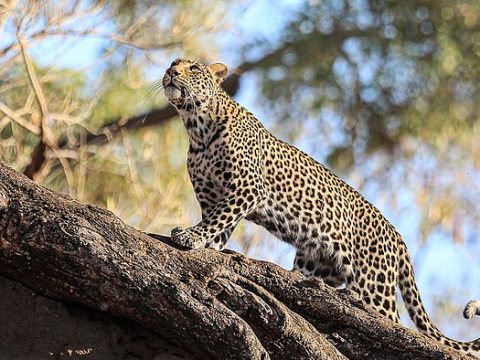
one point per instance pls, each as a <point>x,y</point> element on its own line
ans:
<point>206,169</point>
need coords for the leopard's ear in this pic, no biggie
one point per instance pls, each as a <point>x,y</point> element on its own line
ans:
<point>219,71</point>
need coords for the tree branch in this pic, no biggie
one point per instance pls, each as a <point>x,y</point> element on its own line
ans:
<point>223,305</point>
<point>38,155</point>
<point>19,120</point>
<point>113,38</point>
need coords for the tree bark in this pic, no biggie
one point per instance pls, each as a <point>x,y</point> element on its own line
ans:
<point>219,305</point>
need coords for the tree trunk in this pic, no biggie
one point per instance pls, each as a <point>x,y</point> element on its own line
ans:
<point>218,305</point>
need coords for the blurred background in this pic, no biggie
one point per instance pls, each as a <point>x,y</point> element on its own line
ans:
<point>386,93</point>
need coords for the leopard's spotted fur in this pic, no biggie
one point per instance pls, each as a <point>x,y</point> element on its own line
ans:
<point>239,170</point>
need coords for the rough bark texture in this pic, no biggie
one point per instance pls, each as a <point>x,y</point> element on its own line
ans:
<point>217,305</point>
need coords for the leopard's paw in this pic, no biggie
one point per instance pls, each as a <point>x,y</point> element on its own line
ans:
<point>186,238</point>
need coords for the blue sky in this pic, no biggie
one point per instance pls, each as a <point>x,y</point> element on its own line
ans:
<point>441,264</point>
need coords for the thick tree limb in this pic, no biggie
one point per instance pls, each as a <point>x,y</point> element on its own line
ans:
<point>221,305</point>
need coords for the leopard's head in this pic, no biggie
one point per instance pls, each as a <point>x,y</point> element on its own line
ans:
<point>188,81</point>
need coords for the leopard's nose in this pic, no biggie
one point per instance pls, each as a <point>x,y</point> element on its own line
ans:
<point>173,72</point>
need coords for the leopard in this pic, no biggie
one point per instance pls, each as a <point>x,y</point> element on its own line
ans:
<point>239,170</point>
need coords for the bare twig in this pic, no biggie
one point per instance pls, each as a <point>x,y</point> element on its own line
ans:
<point>38,154</point>
<point>114,38</point>
<point>6,7</point>
<point>19,120</point>
<point>32,76</point>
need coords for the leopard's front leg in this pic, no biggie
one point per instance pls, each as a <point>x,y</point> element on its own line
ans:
<point>218,223</point>
<point>239,187</point>
<point>219,241</point>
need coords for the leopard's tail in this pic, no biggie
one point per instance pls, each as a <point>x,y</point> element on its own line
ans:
<point>417,313</point>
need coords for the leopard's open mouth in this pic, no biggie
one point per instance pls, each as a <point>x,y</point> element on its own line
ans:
<point>173,91</point>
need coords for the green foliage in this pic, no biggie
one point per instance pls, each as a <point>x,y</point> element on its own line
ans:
<point>390,69</point>
<point>384,85</point>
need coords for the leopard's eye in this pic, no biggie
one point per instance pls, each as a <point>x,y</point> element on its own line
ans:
<point>195,68</point>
